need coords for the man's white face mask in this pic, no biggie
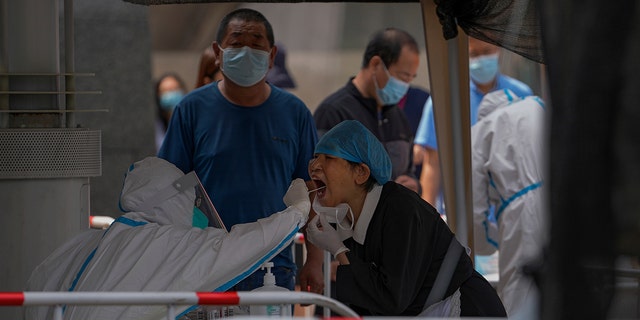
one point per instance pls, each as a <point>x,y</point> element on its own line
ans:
<point>337,215</point>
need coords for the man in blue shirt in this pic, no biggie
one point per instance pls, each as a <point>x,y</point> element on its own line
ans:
<point>484,78</point>
<point>244,137</point>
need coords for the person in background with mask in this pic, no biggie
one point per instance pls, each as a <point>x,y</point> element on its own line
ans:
<point>389,64</point>
<point>162,243</point>
<point>391,244</point>
<point>244,137</point>
<point>170,89</point>
<point>484,77</point>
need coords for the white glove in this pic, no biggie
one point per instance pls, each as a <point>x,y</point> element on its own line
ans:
<point>327,238</point>
<point>298,196</point>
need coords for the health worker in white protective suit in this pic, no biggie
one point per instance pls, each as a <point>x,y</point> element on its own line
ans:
<point>155,247</point>
<point>508,153</point>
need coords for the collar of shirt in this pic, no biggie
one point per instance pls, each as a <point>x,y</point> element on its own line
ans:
<point>371,104</point>
<point>369,207</point>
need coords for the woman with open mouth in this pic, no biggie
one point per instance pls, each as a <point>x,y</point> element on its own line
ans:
<point>397,256</point>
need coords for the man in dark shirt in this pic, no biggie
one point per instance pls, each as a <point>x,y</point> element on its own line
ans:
<point>390,62</point>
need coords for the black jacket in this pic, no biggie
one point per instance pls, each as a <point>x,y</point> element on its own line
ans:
<point>390,126</point>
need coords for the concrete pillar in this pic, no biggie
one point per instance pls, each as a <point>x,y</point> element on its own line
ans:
<point>44,167</point>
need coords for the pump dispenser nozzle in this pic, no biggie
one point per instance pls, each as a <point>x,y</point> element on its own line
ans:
<point>269,279</point>
<point>270,285</point>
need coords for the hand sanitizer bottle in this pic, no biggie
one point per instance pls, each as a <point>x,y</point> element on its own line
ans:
<point>269,284</point>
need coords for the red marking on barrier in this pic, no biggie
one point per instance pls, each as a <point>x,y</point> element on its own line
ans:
<point>218,298</point>
<point>11,298</point>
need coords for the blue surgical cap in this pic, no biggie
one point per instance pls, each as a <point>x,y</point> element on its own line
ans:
<point>350,140</point>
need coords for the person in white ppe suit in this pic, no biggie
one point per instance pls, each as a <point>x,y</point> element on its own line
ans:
<point>155,247</point>
<point>507,149</point>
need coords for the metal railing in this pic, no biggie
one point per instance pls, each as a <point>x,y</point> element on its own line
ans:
<point>170,299</point>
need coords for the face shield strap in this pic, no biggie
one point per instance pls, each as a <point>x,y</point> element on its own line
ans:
<point>189,180</point>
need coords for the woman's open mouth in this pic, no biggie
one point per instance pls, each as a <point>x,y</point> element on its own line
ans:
<point>320,188</point>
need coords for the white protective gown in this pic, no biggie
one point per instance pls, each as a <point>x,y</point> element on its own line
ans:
<point>158,250</point>
<point>508,150</point>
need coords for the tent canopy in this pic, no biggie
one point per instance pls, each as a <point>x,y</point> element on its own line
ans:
<point>513,25</point>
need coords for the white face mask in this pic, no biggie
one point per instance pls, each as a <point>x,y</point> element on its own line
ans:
<point>335,214</point>
<point>245,66</point>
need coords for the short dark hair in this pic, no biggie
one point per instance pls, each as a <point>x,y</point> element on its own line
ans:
<point>244,14</point>
<point>387,44</point>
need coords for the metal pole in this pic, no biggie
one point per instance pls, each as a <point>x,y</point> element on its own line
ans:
<point>57,312</point>
<point>171,299</point>
<point>458,148</point>
<point>327,281</point>
<point>171,312</point>
<point>69,57</point>
<point>448,72</point>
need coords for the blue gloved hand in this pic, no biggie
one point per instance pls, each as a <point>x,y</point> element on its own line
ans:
<point>324,236</point>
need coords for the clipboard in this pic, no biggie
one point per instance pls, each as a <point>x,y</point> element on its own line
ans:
<point>203,202</point>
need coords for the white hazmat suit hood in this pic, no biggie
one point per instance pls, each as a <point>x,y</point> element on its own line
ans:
<point>144,182</point>
<point>155,248</point>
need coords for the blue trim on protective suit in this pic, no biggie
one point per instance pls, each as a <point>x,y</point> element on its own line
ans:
<point>487,214</point>
<point>505,203</point>
<point>518,194</point>
<point>86,262</point>
<point>82,268</point>
<point>247,273</point>
<point>486,231</point>
<point>509,96</point>
<point>259,263</point>
<point>539,101</point>
<point>130,222</point>
<point>79,274</point>
<point>122,220</point>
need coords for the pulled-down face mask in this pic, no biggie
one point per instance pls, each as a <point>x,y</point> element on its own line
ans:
<point>337,215</point>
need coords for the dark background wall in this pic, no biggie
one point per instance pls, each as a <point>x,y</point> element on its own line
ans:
<point>113,40</point>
